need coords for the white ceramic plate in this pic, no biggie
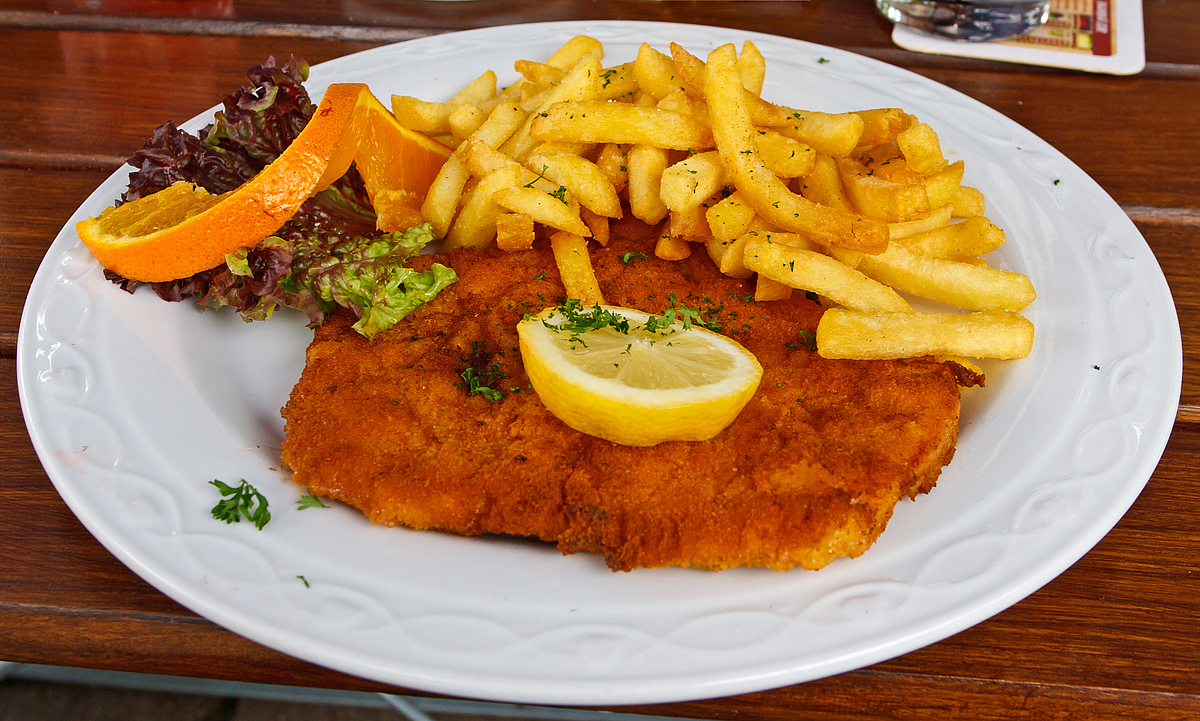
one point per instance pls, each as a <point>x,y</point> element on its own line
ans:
<point>134,405</point>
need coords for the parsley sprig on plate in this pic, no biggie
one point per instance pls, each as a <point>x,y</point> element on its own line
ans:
<point>242,501</point>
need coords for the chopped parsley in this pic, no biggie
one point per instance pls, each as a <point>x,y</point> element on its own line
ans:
<point>243,501</point>
<point>481,372</point>
<point>576,319</point>
<point>540,175</point>
<point>676,314</point>
<point>309,500</point>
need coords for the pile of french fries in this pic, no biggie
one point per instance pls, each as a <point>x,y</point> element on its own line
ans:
<point>853,207</point>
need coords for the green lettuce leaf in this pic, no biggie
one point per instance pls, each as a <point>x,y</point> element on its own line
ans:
<point>319,274</point>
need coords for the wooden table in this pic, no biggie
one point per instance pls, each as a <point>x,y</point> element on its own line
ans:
<point>1115,636</point>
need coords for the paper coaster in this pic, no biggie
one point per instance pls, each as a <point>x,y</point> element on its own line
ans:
<point>1098,36</point>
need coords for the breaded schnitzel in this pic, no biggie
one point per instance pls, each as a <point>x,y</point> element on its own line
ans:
<point>809,471</point>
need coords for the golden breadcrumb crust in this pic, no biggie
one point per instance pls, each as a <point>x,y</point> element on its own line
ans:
<point>809,472</point>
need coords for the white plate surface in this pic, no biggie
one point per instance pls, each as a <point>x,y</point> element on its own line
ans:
<point>134,405</point>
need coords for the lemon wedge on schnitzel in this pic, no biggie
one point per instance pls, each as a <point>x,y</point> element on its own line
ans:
<point>635,378</point>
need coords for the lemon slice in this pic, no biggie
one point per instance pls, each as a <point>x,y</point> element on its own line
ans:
<point>603,372</point>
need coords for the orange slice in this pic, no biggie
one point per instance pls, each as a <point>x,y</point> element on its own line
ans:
<point>174,241</point>
<point>187,231</point>
<point>397,164</point>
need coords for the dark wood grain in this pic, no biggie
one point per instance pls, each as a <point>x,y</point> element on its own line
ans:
<point>101,95</point>
<point>34,206</point>
<point>75,87</point>
<point>1177,248</point>
<point>1115,636</point>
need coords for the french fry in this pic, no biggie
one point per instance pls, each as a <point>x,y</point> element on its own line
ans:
<point>670,247</point>
<point>690,68</point>
<point>475,224</point>
<point>570,53</point>
<point>556,148</point>
<point>792,240</point>
<point>922,148</point>
<point>967,202</point>
<point>767,194</point>
<point>581,82</point>
<point>541,74</point>
<point>514,232</point>
<point>535,195</point>
<point>691,225</point>
<point>785,157</point>
<point>937,218</point>
<point>860,335</point>
<point>482,159</point>
<point>581,178</point>
<point>442,198</point>
<point>870,214</point>
<point>882,199</point>
<point>717,249</point>
<point>766,289</point>
<point>729,217</point>
<point>972,237</point>
<point>850,206</point>
<point>883,125</point>
<point>478,90</point>
<point>941,186</point>
<point>465,120</point>
<point>680,102</point>
<point>823,185</point>
<point>646,166</point>
<point>836,134</point>
<point>686,185</point>
<point>811,271</point>
<point>613,161</point>
<point>575,267</point>
<point>623,123</point>
<point>502,122</point>
<point>554,210</point>
<point>694,72</point>
<point>598,224</point>
<point>733,258</point>
<point>617,82</point>
<point>655,73</point>
<point>963,285</point>
<point>752,66</point>
<point>422,115</point>
<point>887,162</point>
